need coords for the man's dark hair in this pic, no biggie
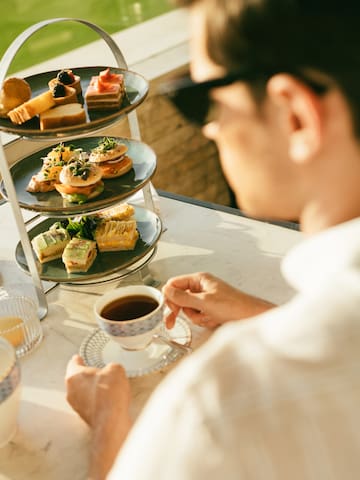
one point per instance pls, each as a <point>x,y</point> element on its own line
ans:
<point>303,36</point>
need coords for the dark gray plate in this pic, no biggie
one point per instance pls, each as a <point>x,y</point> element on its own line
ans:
<point>106,263</point>
<point>136,88</point>
<point>116,189</point>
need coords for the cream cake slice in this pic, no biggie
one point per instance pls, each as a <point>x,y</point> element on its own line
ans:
<point>105,91</point>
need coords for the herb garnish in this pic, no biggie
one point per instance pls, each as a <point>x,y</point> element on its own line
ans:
<point>80,168</point>
<point>84,227</point>
<point>106,144</point>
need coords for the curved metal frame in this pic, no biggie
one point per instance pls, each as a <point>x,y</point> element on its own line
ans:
<point>4,169</point>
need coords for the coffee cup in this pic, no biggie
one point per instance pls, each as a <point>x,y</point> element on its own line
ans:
<point>130,315</point>
<point>9,391</point>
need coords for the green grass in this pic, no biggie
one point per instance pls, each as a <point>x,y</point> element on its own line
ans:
<point>53,40</point>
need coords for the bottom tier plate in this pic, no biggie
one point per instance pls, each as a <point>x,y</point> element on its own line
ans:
<point>98,349</point>
<point>106,263</point>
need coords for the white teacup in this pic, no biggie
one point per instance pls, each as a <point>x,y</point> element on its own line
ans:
<point>129,320</point>
<point>9,391</point>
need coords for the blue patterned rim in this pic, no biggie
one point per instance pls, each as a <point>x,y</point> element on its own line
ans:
<point>10,382</point>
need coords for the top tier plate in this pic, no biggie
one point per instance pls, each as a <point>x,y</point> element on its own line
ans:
<point>136,90</point>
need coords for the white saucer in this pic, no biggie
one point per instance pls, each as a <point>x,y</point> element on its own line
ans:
<point>98,349</point>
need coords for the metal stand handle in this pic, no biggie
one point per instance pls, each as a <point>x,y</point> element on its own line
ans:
<point>4,169</point>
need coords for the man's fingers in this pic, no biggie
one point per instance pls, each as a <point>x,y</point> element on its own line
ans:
<point>181,298</point>
<point>170,320</point>
<point>196,317</point>
<point>75,365</point>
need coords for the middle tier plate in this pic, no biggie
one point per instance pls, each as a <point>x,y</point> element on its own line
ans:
<point>116,189</point>
<point>106,263</point>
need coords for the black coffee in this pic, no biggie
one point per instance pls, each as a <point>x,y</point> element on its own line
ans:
<point>128,308</point>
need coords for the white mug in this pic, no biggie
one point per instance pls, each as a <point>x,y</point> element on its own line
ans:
<point>9,391</point>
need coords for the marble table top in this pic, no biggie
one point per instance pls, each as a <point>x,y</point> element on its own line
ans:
<point>52,441</point>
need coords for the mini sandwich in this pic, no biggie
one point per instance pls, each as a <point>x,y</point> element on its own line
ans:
<point>80,181</point>
<point>111,157</point>
<point>114,235</point>
<point>79,254</point>
<point>50,245</point>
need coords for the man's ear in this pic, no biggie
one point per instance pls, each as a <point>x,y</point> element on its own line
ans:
<point>303,115</point>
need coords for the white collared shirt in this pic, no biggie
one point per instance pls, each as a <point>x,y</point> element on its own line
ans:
<point>276,397</point>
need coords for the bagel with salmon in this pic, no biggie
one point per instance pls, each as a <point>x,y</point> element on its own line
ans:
<point>110,156</point>
<point>80,181</point>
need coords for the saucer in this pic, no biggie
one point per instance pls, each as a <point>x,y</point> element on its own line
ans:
<point>98,349</point>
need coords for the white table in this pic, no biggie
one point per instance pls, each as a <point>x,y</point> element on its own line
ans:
<point>52,442</point>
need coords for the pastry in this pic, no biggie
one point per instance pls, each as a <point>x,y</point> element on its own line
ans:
<point>123,211</point>
<point>67,77</point>
<point>105,91</point>
<point>14,92</point>
<point>63,94</point>
<point>114,235</point>
<point>32,107</point>
<point>79,254</point>
<point>62,116</point>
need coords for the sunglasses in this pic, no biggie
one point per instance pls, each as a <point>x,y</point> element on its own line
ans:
<point>193,99</point>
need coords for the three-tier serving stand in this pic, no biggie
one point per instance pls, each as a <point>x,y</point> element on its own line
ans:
<point>4,167</point>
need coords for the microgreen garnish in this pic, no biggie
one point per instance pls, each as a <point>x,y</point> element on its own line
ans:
<point>79,168</point>
<point>106,144</point>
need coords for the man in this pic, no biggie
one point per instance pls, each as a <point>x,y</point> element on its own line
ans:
<point>275,396</point>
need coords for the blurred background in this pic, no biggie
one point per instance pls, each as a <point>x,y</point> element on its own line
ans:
<point>111,15</point>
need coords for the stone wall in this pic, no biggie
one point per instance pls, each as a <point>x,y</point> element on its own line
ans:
<point>187,163</point>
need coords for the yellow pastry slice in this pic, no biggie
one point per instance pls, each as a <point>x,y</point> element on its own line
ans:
<point>32,107</point>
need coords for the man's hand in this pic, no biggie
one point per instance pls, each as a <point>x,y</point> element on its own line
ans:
<point>209,301</point>
<point>102,399</point>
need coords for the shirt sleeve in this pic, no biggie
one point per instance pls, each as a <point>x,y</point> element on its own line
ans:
<point>161,444</point>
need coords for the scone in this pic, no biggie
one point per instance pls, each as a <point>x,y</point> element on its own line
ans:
<point>14,92</point>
